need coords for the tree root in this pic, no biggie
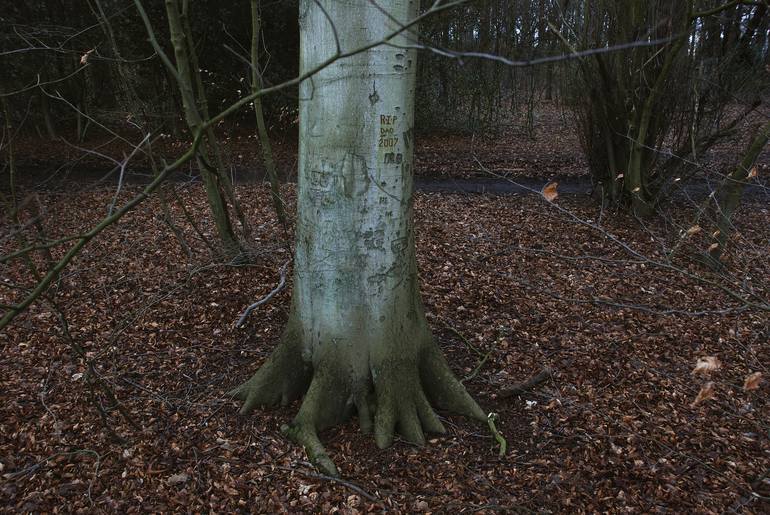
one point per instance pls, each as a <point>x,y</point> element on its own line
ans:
<point>443,388</point>
<point>403,407</point>
<point>282,379</point>
<point>306,437</point>
<point>395,397</point>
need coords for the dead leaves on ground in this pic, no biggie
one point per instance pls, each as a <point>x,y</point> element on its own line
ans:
<point>752,381</point>
<point>176,479</point>
<point>695,229</point>
<point>706,392</point>
<point>626,374</point>
<point>549,191</point>
<point>707,365</point>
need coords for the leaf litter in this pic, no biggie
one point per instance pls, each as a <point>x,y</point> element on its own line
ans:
<point>614,429</point>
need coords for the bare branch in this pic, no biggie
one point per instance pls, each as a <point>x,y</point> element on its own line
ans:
<point>266,298</point>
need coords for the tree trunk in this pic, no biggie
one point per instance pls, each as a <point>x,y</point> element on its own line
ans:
<point>357,340</point>
<point>730,193</point>
<point>211,177</point>
<point>45,108</point>
<point>213,150</point>
<point>264,139</point>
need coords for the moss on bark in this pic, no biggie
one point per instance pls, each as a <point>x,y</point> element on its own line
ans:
<point>394,395</point>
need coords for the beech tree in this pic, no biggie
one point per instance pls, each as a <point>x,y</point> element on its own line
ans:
<point>357,340</point>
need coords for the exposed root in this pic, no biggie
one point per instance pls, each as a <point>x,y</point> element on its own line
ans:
<point>443,388</point>
<point>428,417</point>
<point>402,407</point>
<point>323,406</point>
<point>282,379</point>
<point>364,407</point>
<point>397,398</point>
<point>306,436</point>
<point>395,410</point>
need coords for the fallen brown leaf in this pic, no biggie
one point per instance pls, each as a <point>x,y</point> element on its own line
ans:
<point>695,229</point>
<point>549,191</point>
<point>176,479</point>
<point>752,381</point>
<point>706,392</point>
<point>706,365</point>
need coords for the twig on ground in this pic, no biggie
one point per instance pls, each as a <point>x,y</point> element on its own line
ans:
<point>475,371</point>
<point>266,298</point>
<point>464,339</point>
<point>36,466</point>
<point>483,357</point>
<point>357,489</point>
<point>517,389</point>
<point>499,437</point>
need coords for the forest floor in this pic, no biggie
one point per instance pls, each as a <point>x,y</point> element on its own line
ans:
<point>526,284</point>
<point>512,284</point>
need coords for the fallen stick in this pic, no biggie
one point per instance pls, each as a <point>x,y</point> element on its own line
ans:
<point>517,389</point>
<point>281,284</point>
<point>352,486</point>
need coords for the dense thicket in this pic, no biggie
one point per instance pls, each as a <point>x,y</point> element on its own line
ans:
<point>646,112</point>
<point>44,44</point>
<point>688,74</point>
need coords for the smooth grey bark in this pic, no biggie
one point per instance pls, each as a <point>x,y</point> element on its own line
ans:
<point>357,340</point>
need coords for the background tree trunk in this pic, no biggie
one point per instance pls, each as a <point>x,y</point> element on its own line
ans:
<point>264,139</point>
<point>212,178</point>
<point>357,338</point>
<point>729,195</point>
